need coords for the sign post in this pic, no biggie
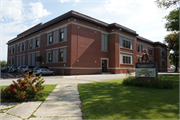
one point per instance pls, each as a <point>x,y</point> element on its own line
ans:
<point>146,70</point>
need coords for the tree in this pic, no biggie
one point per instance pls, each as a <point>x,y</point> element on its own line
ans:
<point>166,3</point>
<point>3,63</point>
<point>173,26</point>
<point>173,44</point>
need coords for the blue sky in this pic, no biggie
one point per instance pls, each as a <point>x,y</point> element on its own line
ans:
<point>143,16</point>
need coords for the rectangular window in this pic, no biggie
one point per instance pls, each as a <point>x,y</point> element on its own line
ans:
<point>50,39</point>
<point>18,48</point>
<point>30,45</point>
<point>104,42</point>
<point>138,60</point>
<point>37,43</point>
<point>138,48</point>
<point>150,52</point>
<point>23,47</point>
<point>62,36</point>
<point>163,53</point>
<point>49,57</point>
<point>163,62</point>
<point>126,44</point>
<point>62,55</point>
<point>126,60</point>
<point>12,60</point>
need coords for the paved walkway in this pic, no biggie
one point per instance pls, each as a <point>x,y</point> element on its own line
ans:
<point>62,104</point>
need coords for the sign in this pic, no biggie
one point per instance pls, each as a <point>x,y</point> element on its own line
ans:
<point>144,72</point>
<point>146,69</point>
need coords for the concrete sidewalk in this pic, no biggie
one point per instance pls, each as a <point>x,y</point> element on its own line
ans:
<point>62,104</point>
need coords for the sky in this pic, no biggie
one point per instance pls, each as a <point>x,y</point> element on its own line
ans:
<point>143,16</point>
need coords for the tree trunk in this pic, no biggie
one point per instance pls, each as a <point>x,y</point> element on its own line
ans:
<point>176,69</point>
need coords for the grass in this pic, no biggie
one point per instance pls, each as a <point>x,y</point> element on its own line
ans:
<point>46,91</point>
<point>113,100</point>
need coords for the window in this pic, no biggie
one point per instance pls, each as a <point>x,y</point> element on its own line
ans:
<point>62,55</point>
<point>104,42</point>
<point>126,60</point>
<point>30,45</point>
<point>50,39</point>
<point>145,48</point>
<point>138,60</point>
<point>23,47</point>
<point>9,61</point>
<point>12,60</point>
<point>37,43</point>
<point>163,62</point>
<point>150,52</point>
<point>9,50</point>
<point>163,53</point>
<point>126,43</point>
<point>62,36</point>
<point>49,57</point>
<point>138,48</point>
<point>18,48</point>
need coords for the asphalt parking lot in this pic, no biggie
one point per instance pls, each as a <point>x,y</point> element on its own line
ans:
<point>49,79</point>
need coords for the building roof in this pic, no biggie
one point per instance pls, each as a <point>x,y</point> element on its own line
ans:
<point>75,14</point>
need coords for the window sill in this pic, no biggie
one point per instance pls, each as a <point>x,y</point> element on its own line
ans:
<point>63,41</point>
<point>126,48</point>
<point>63,62</point>
<point>125,64</point>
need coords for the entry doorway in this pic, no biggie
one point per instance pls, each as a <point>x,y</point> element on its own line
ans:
<point>104,65</point>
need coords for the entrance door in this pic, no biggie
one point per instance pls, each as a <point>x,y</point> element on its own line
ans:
<point>104,65</point>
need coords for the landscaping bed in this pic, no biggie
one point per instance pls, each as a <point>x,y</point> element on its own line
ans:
<point>113,100</point>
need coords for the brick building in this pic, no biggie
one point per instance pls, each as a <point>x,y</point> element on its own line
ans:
<point>74,43</point>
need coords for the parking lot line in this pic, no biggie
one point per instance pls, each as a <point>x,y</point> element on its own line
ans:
<point>61,80</point>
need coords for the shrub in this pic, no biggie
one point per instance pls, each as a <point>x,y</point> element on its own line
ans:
<point>23,90</point>
<point>159,83</point>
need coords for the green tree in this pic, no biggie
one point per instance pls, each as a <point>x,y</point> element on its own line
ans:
<point>166,3</point>
<point>173,44</point>
<point>3,63</point>
<point>172,25</point>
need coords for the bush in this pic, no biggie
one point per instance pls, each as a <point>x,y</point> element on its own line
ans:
<point>23,90</point>
<point>158,83</point>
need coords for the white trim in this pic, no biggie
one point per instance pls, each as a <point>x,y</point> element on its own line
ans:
<point>55,48</point>
<point>126,48</point>
<point>107,62</point>
<point>120,68</point>
<point>126,53</point>
<point>63,47</point>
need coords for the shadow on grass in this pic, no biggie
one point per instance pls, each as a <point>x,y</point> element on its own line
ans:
<point>113,100</point>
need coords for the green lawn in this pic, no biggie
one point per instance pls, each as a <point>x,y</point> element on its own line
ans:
<point>46,91</point>
<point>113,100</point>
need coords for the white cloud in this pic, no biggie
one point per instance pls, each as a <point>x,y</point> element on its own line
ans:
<point>37,11</point>
<point>62,1</point>
<point>11,9</point>
<point>17,17</point>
